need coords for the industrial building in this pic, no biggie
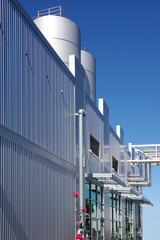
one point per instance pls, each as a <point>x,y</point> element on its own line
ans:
<point>64,172</point>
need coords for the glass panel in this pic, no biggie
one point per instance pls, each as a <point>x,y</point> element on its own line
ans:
<point>88,227</point>
<point>94,223</point>
<point>99,210</point>
<point>88,206</point>
<point>93,192</point>
<point>111,226</point>
<point>114,214</point>
<point>110,201</point>
<point>129,225</point>
<point>87,190</point>
<point>119,227</point>
<point>114,227</point>
<point>99,229</point>
<point>98,194</point>
<point>114,202</point>
<point>94,230</point>
<point>111,213</point>
<point>93,208</point>
<point>118,217</point>
<point>127,207</point>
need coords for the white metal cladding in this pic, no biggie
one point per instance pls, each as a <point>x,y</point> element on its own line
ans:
<point>63,35</point>
<point>36,196</point>
<point>94,127</point>
<point>36,93</point>
<point>93,164</point>
<point>115,148</point>
<point>124,164</point>
<point>103,108</point>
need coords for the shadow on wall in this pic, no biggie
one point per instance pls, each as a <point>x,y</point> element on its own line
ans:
<point>7,209</point>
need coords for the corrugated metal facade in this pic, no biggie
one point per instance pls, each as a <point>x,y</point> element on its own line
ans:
<point>36,102</point>
<point>95,129</point>
<point>32,103</point>
<point>30,207</point>
<point>39,135</point>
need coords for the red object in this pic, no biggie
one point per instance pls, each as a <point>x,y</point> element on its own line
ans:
<point>76,195</point>
<point>86,239</point>
<point>79,223</point>
<point>85,209</point>
<point>79,236</point>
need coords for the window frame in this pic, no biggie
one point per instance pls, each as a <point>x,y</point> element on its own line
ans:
<point>129,219</point>
<point>99,208</point>
<point>115,216</point>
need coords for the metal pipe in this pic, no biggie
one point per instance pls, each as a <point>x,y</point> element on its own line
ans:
<point>82,113</point>
<point>146,177</point>
<point>143,161</point>
<point>146,145</point>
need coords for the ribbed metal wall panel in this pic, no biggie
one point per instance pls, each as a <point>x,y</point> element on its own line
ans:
<point>37,101</point>
<point>36,94</point>
<point>36,196</point>
<point>94,127</point>
<point>115,148</point>
<point>124,163</point>
<point>104,109</point>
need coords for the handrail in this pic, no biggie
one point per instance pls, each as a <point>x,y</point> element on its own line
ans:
<point>58,11</point>
<point>111,170</point>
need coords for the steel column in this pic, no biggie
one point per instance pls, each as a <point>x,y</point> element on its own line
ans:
<point>81,173</point>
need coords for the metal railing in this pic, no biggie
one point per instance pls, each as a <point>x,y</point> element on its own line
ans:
<point>83,47</point>
<point>100,169</point>
<point>96,161</point>
<point>58,11</point>
<point>111,169</point>
<point>93,163</point>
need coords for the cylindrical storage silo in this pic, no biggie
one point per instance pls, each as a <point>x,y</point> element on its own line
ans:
<point>63,35</point>
<point>89,63</point>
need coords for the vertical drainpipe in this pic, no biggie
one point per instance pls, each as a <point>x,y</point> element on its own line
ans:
<point>81,114</point>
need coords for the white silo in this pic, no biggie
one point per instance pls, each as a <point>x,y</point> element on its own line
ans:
<point>62,33</point>
<point>89,63</point>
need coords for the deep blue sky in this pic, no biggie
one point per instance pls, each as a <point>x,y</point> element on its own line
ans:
<point>124,36</point>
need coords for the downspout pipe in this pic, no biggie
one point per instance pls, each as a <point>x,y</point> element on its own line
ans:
<point>81,114</point>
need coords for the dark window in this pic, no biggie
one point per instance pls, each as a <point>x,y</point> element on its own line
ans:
<point>94,145</point>
<point>114,164</point>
